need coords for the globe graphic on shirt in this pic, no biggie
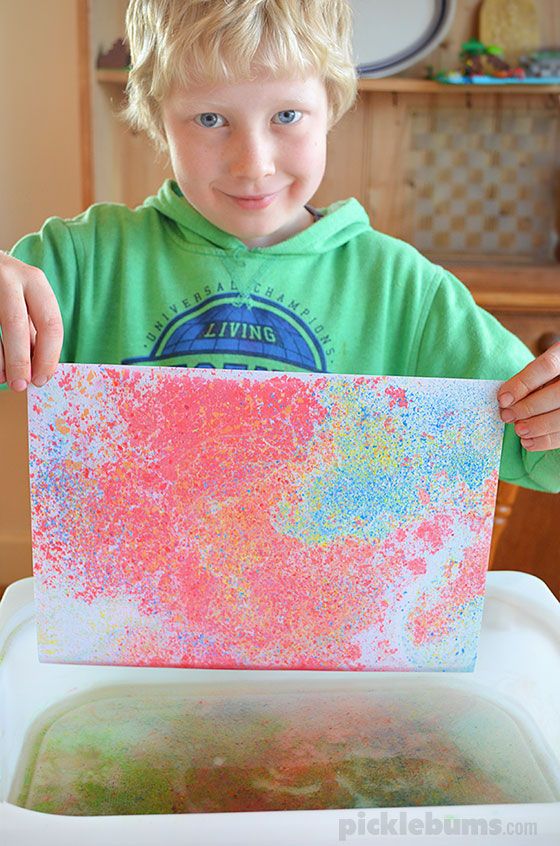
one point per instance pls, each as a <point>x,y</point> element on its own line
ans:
<point>233,332</point>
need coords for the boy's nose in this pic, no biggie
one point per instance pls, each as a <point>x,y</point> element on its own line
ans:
<point>251,157</point>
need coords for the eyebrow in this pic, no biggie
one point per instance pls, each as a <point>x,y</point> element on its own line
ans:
<point>218,106</point>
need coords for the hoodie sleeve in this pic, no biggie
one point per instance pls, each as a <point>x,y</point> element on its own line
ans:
<point>462,340</point>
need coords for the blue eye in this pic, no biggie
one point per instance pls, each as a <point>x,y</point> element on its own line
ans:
<point>209,120</point>
<point>287,116</point>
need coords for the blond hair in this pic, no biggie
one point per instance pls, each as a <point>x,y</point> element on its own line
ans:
<point>201,41</point>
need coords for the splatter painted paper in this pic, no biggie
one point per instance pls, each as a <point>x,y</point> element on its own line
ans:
<point>232,519</point>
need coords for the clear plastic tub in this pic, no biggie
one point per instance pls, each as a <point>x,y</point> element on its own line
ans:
<point>105,754</point>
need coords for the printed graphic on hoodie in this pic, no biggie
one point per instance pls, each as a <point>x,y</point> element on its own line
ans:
<point>230,331</point>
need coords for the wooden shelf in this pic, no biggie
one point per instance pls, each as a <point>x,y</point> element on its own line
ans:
<point>522,301</point>
<point>545,277</point>
<point>534,288</point>
<point>399,84</point>
<point>391,84</point>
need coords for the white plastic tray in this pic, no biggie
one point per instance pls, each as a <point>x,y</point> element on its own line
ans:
<point>518,667</point>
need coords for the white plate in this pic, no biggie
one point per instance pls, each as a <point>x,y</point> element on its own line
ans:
<point>390,35</point>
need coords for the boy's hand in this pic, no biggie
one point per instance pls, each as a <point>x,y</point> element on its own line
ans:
<point>31,325</point>
<point>531,400</point>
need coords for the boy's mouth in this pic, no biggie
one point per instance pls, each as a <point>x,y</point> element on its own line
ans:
<point>254,201</point>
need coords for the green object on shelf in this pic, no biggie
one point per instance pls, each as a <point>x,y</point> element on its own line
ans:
<point>472,47</point>
<point>494,50</point>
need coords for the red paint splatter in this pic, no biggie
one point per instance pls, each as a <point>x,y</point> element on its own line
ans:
<point>398,397</point>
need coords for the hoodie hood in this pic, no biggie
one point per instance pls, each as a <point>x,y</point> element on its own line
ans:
<point>341,222</point>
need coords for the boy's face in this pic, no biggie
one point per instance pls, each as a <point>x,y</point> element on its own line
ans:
<point>249,155</point>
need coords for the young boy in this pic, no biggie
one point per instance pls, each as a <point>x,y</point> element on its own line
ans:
<point>228,266</point>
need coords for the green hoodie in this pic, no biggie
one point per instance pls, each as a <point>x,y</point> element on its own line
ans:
<point>161,285</point>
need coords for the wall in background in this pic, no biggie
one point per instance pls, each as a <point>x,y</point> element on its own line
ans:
<point>40,176</point>
<point>40,157</point>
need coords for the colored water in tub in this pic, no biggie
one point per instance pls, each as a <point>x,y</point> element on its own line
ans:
<point>156,750</point>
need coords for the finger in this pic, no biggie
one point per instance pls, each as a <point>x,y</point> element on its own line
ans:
<point>542,443</point>
<point>539,402</point>
<point>536,427</point>
<point>46,330</point>
<point>536,374</point>
<point>15,337</point>
<point>32,334</point>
